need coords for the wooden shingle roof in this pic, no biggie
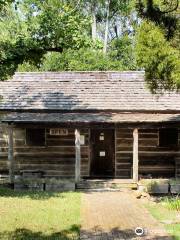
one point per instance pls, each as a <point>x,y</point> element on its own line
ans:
<point>122,91</point>
<point>100,117</point>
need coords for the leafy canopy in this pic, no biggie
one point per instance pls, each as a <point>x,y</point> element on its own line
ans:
<point>37,27</point>
<point>158,43</point>
<point>158,57</point>
<point>53,35</point>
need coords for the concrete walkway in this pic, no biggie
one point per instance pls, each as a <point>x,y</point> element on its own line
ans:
<point>116,215</point>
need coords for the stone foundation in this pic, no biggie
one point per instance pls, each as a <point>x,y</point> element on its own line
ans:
<point>44,185</point>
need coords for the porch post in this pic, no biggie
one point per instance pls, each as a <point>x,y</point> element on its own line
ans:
<point>135,155</point>
<point>78,156</point>
<point>11,154</point>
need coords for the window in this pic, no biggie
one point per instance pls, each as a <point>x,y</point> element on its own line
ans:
<point>35,137</point>
<point>168,137</point>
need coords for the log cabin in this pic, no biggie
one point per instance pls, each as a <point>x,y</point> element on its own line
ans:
<point>88,125</point>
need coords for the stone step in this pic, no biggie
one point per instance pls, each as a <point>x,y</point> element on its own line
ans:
<point>105,185</point>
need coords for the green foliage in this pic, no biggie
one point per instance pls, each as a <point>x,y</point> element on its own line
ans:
<point>82,60</point>
<point>162,13</point>
<point>160,60</point>
<point>55,35</point>
<point>36,28</point>
<point>4,3</point>
<point>122,49</point>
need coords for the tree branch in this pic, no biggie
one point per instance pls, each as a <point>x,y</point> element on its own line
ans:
<point>172,10</point>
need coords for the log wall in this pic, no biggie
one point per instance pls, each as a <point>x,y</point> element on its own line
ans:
<point>123,152</point>
<point>56,158</point>
<point>154,161</point>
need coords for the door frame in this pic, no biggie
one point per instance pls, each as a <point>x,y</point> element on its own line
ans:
<point>91,151</point>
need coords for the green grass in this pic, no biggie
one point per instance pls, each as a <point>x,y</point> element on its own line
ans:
<point>164,213</point>
<point>172,203</point>
<point>39,215</point>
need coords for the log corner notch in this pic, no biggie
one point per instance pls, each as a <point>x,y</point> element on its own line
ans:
<point>135,155</point>
<point>78,156</point>
<point>11,154</point>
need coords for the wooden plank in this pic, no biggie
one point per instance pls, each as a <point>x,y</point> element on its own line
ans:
<point>135,155</point>
<point>78,156</point>
<point>11,155</point>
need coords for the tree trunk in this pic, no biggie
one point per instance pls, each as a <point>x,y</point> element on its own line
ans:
<point>93,25</point>
<point>106,28</point>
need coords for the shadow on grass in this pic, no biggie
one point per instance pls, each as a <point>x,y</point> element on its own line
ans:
<point>26,234</point>
<point>73,234</point>
<point>35,195</point>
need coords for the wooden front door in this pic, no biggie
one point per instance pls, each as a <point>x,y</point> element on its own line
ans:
<point>102,153</point>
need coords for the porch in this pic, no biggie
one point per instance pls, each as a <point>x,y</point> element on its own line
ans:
<point>92,146</point>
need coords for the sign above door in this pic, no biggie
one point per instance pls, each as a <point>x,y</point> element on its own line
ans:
<point>58,131</point>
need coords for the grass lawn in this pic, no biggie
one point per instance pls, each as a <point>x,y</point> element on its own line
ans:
<point>41,215</point>
<point>166,216</point>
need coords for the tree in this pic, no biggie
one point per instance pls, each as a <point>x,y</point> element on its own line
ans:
<point>160,60</point>
<point>122,49</point>
<point>158,43</point>
<point>33,31</point>
<point>80,60</point>
<point>161,13</point>
<point>38,27</point>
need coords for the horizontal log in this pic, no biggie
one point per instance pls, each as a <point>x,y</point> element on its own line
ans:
<point>156,163</point>
<point>124,148</point>
<point>123,164</point>
<point>150,153</point>
<point>157,148</point>
<point>60,142</point>
<point>121,154</point>
<point>56,167</point>
<point>124,130</point>
<point>61,173</point>
<point>128,147</point>
<point>157,158</point>
<point>123,167</point>
<point>148,135</point>
<point>60,139</point>
<point>46,155</point>
<point>151,170</point>
<point>123,161</point>
<point>124,141</point>
<point>84,168</point>
<point>45,161</point>
<point>148,131</point>
<point>124,135</point>
<point>67,160</point>
<point>144,142</point>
